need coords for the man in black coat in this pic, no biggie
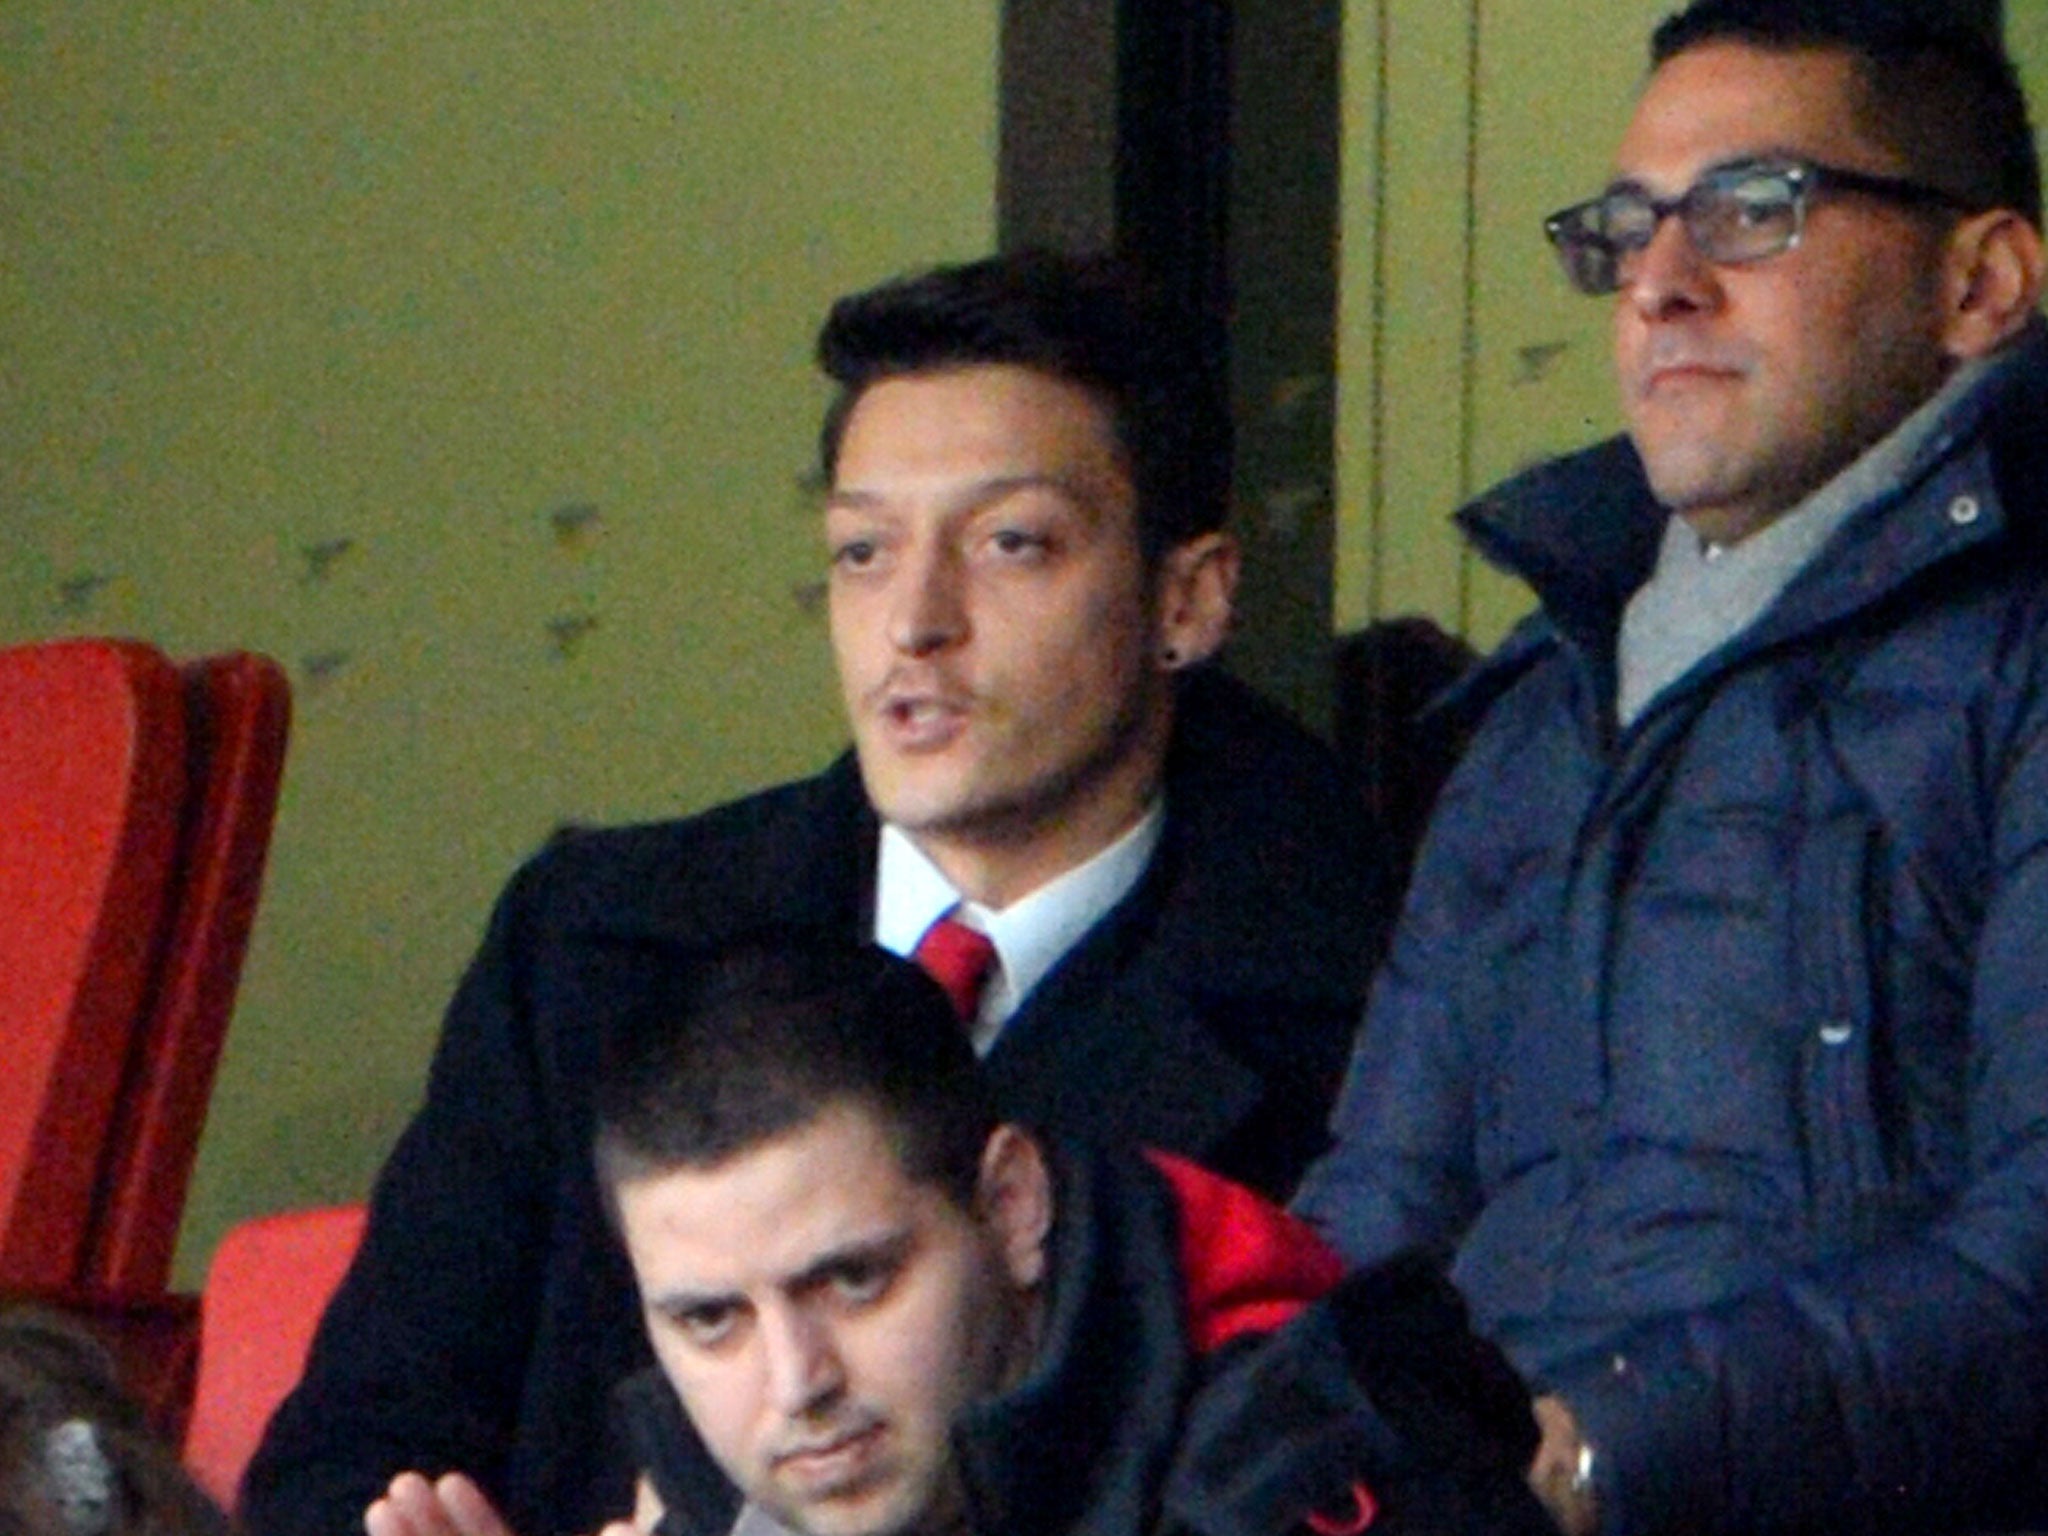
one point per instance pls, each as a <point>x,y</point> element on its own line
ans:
<point>1027,580</point>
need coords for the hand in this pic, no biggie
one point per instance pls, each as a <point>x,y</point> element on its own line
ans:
<point>452,1505</point>
<point>455,1506</point>
<point>1554,1476</point>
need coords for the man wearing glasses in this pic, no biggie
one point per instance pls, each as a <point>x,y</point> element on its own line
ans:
<point>1713,1046</point>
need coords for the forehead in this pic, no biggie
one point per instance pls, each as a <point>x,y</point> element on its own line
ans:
<point>767,1213</point>
<point>1723,101</point>
<point>985,417</point>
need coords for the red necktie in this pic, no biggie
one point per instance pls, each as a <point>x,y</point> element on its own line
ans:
<point>959,959</point>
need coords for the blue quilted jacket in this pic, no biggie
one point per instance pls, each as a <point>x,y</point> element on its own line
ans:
<point>1715,1049</point>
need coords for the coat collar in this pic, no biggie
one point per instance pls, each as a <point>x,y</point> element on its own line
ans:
<point>1081,1445</point>
<point>1259,820</point>
<point>1224,985</point>
<point>1583,530</point>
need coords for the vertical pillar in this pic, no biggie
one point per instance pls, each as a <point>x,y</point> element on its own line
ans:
<point>1199,137</point>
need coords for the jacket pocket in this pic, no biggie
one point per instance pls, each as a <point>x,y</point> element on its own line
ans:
<point>1837,910</point>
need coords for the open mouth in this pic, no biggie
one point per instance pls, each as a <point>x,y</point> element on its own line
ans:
<point>923,720</point>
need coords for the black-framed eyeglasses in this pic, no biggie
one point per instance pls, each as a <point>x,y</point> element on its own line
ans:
<point>1743,211</point>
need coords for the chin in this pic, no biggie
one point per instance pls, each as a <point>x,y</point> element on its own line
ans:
<point>925,807</point>
<point>1687,478</point>
<point>954,803</point>
<point>964,824</point>
<point>887,1511</point>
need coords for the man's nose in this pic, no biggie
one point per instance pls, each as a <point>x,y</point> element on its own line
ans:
<point>928,611</point>
<point>804,1369</point>
<point>1669,276</point>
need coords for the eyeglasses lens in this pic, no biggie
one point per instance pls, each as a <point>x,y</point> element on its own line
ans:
<point>1742,217</point>
<point>1738,214</point>
<point>1590,259</point>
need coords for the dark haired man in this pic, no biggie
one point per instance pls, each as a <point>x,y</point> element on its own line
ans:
<point>1714,1038</point>
<point>1165,873</point>
<point>881,1309</point>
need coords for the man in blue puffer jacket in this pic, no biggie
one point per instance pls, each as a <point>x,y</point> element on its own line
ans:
<point>1713,1047</point>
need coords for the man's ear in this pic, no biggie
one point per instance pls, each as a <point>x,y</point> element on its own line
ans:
<point>1991,282</point>
<point>1013,1198</point>
<point>1197,597</point>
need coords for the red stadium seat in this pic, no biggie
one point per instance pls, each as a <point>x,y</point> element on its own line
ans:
<point>239,708</point>
<point>265,1291</point>
<point>92,780</point>
<point>136,805</point>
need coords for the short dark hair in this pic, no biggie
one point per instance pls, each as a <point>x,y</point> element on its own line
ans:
<point>727,1049</point>
<point>1940,93</point>
<point>1087,320</point>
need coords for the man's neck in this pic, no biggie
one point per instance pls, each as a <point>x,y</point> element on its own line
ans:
<point>754,1520</point>
<point>1699,596</point>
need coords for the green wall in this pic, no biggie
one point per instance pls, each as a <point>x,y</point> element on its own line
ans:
<point>457,355</point>
<point>459,359</point>
<point>1462,355</point>
<point>1461,352</point>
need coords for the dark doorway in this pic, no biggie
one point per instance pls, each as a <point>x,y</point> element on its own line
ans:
<point>1200,138</point>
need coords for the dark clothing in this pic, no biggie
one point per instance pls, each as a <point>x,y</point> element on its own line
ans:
<point>489,1313</point>
<point>1113,1433</point>
<point>1716,1047</point>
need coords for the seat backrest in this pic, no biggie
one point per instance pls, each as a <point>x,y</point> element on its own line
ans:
<point>1397,748</point>
<point>269,1282</point>
<point>92,776</point>
<point>239,706</point>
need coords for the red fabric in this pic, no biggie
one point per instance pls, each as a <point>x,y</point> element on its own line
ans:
<point>269,1282</point>
<point>958,958</point>
<point>92,777</point>
<point>239,717</point>
<point>1246,1265</point>
<point>1364,1510</point>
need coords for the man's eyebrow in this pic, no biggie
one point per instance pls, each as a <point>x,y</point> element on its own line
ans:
<point>681,1299</point>
<point>884,1248</point>
<point>1759,153</point>
<point>978,494</point>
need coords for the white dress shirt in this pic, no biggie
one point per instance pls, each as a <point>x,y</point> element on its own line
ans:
<point>1030,934</point>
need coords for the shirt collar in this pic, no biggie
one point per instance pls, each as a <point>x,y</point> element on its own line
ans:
<point>1032,933</point>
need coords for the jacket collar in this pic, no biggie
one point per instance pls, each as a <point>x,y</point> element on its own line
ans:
<point>1583,530</point>
<point>1261,820</point>
<point>1081,1445</point>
